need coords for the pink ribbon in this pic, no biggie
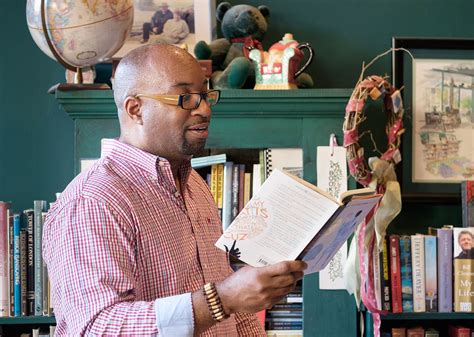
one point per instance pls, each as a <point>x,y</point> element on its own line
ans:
<point>355,105</point>
<point>351,137</point>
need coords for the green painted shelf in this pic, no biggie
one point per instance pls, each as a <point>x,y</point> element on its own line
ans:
<point>27,320</point>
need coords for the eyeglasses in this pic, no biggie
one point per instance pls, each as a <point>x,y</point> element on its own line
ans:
<point>189,101</point>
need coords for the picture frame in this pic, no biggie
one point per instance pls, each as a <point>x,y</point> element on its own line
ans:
<point>197,15</point>
<point>438,97</point>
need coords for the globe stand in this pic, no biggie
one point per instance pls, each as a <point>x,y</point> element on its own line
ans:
<point>78,79</point>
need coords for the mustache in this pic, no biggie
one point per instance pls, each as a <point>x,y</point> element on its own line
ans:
<point>200,121</point>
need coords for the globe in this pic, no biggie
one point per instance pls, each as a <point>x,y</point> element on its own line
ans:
<point>82,32</point>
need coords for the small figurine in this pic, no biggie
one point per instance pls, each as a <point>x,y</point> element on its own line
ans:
<point>277,68</point>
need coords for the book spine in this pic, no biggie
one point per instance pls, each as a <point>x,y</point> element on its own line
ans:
<point>227,196</point>
<point>220,188</point>
<point>395,277</point>
<point>30,265</point>
<point>214,182</point>
<point>431,288</point>
<point>23,272</point>
<point>256,179</point>
<point>418,272</point>
<point>247,187</point>
<point>241,186</point>
<point>385,273</point>
<point>377,279</point>
<point>467,202</point>
<point>45,279</point>
<point>16,266</point>
<point>445,270</point>
<point>406,273</point>
<point>464,285</point>
<point>39,208</point>
<point>235,192</point>
<point>4,261</point>
<point>11,274</point>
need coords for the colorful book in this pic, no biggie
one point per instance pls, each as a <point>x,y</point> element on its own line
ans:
<point>395,276</point>
<point>399,332</point>
<point>431,274</point>
<point>208,160</point>
<point>289,218</point>
<point>30,266</point>
<point>463,269</point>
<point>16,266</point>
<point>406,273</point>
<point>467,202</point>
<point>458,331</point>
<point>385,276</point>
<point>416,332</point>
<point>445,269</point>
<point>418,272</point>
<point>227,195</point>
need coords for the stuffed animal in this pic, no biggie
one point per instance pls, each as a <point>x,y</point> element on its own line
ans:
<point>243,28</point>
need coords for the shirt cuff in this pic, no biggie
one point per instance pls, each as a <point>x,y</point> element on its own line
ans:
<point>174,316</point>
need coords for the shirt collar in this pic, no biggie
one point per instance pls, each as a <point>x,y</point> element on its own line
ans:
<point>150,163</point>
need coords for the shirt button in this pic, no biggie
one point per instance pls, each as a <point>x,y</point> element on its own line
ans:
<point>160,163</point>
<point>176,194</point>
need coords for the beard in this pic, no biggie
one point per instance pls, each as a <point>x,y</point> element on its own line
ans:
<point>193,149</point>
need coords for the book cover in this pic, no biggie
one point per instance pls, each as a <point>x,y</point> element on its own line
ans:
<point>241,186</point>
<point>467,202</point>
<point>431,333</point>
<point>458,331</point>
<point>377,279</point>
<point>418,272</point>
<point>416,332</point>
<point>289,218</point>
<point>406,273</point>
<point>208,160</point>
<point>395,277</point>
<point>463,269</point>
<point>235,191</point>
<point>399,332</point>
<point>227,195</point>
<point>213,185</point>
<point>431,274</point>
<point>285,159</point>
<point>445,269</point>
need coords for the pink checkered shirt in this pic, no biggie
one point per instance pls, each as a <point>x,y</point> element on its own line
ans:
<point>121,236</point>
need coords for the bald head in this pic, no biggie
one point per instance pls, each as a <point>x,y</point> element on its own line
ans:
<point>149,68</point>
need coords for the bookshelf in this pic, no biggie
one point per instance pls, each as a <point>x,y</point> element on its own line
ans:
<point>246,119</point>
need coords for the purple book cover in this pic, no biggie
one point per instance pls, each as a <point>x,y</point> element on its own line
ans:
<point>445,269</point>
<point>431,288</point>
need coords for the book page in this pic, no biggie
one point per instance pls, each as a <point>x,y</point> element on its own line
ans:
<point>278,222</point>
<point>328,241</point>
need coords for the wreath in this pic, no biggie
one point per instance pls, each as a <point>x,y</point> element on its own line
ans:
<point>373,87</point>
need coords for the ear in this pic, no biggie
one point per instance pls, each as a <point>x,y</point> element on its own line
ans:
<point>265,11</point>
<point>221,10</point>
<point>132,107</point>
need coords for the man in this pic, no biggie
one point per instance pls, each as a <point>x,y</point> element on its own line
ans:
<point>157,23</point>
<point>465,242</point>
<point>175,30</point>
<point>129,245</point>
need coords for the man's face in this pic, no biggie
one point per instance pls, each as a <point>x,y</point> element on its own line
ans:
<point>465,241</point>
<point>170,131</point>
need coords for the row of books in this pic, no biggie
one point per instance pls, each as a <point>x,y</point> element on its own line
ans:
<point>287,315</point>
<point>232,184</point>
<point>452,331</point>
<point>24,283</point>
<point>425,273</point>
<point>35,332</point>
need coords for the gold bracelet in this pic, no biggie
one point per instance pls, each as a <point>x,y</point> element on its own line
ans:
<point>214,303</point>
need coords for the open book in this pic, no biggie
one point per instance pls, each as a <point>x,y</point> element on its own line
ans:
<point>290,219</point>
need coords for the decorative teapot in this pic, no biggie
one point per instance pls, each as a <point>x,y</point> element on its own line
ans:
<point>277,68</point>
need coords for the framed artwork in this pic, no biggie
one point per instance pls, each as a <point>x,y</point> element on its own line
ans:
<point>438,91</point>
<point>174,21</point>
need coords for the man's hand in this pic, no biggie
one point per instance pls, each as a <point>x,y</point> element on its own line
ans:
<point>155,30</point>
<point>253,289</point>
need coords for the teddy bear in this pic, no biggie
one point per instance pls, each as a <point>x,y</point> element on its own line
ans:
<point>243,28</point>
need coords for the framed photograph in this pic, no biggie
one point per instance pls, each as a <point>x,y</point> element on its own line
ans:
<point>174,21</point>
<point>438,91</point>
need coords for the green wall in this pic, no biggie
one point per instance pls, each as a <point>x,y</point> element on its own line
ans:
<point>36,137</point>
